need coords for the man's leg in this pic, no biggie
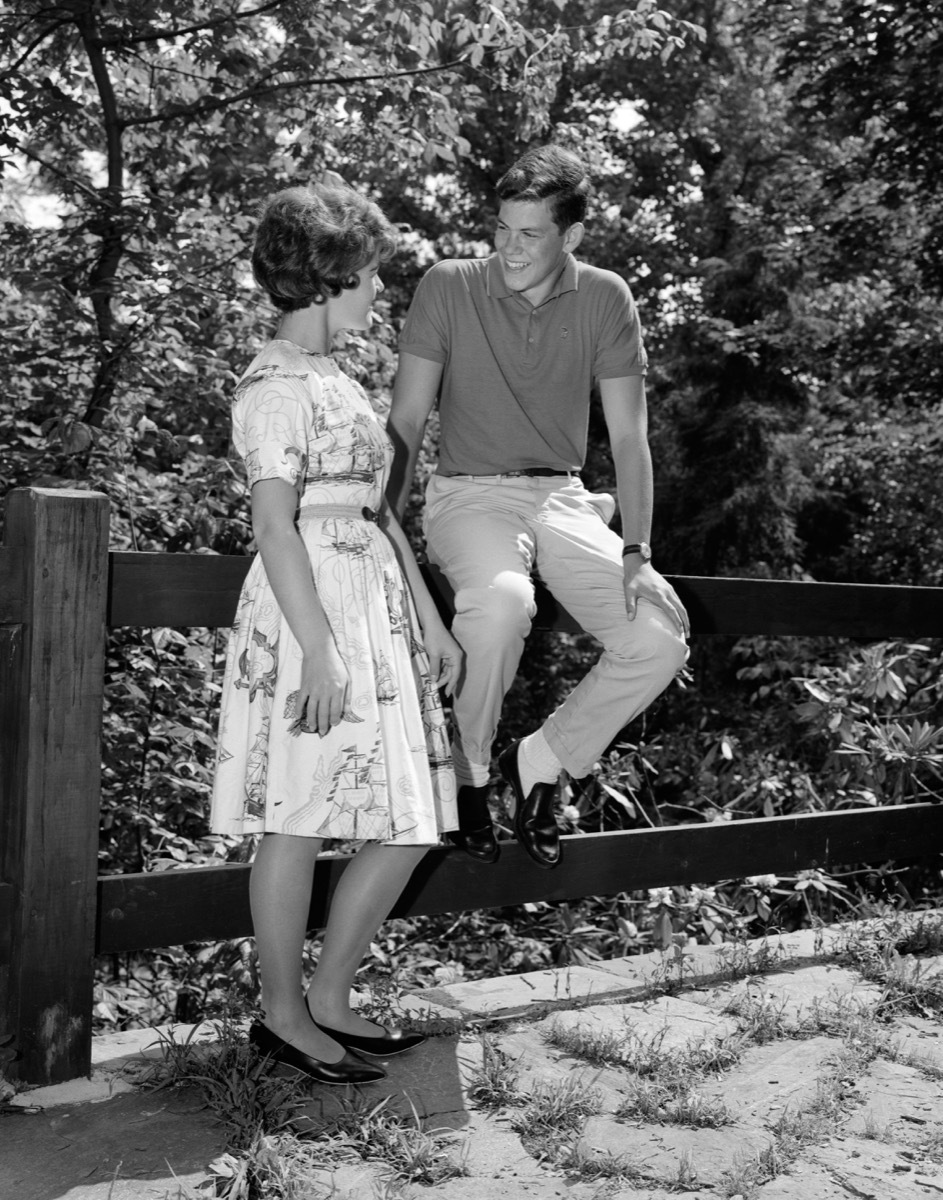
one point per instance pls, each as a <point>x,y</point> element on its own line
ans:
<point>579,561</point>
<point>477,534</point>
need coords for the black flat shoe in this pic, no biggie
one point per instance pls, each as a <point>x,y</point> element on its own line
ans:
<point>479,844</point>
<point>475,834</point>
<point>348,1070</point>
<point>393,1041</point>
<point>534,823</point>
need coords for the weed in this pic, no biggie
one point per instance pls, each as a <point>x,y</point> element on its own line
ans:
<point>382,1003</point>
<point>746,1175</point>
<point>872,1129</point>
<point>648,1057</point>
<point>760,1019</point>
<point>556,1105</point>
<point>601,1046</point>
<point>888,952</point>
<point>686,1177</point>
<point>375,1133</point>
<point>591,1164</point>
<point>494,1084</point>
<point>740,960</point>
<point>236,1083</point>
<point>278,1166</point>
<point>675,1102</point>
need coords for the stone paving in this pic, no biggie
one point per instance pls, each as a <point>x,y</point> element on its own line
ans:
<point>788,1076</point>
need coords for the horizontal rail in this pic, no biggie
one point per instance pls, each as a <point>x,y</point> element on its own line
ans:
<point>202,589</point>
<point>168,908</point>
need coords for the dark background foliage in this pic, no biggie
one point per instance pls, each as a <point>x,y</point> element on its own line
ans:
<point>766,183</point>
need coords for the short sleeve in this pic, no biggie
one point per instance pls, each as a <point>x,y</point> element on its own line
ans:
<point>273,416</point>
<point>424,331</point>
<point>620,350</point>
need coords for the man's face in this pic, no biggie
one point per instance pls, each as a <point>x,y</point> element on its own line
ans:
<point>530,247</point>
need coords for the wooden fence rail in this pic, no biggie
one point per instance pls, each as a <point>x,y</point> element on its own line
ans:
<point>60,590</point>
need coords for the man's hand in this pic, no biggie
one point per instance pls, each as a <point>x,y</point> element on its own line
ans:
<point>642,581</point>
<point>446,657</point>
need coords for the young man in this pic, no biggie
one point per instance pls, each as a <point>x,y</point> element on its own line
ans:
<point>511,346</point>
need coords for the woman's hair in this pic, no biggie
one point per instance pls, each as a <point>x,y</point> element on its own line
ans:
<point>549,173</point>
<point>312,241</point>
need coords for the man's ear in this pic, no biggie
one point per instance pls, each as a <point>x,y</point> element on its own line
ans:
<point>332,179</point>
<point>573,236</point>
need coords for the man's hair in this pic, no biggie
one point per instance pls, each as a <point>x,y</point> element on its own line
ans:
<point>312,241</point>
<point>549,173</point>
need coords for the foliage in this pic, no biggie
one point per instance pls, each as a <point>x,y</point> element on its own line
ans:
<point>771,199</point>
<point>237,1084</point>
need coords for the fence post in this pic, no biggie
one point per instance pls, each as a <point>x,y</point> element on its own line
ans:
<point>52,645</point>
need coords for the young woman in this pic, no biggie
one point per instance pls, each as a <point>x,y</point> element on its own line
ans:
<point>331,725</point>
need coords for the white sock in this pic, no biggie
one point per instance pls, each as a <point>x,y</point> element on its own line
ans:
<point>536,762</point>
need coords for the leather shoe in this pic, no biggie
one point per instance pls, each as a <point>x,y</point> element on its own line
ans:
<point>534,823</point>
<point>475,834</point>
<point>348,1070</point>
<point>393,1041</point>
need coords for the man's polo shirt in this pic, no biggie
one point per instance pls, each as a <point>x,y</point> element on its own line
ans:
<point>517,379</point>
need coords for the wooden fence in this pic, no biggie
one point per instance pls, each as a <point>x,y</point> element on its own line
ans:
<point>60,589</point>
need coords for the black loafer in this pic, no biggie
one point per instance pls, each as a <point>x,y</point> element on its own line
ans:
<point>393,1041</point>
<point>475,834</point>
<point>534,823</point>
<point>348,1070</point>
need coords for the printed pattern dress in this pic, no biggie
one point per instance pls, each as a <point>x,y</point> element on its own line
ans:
<point>384,772</point>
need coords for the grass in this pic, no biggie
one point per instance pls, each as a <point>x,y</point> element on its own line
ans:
<point>493,1085</point>
<point>892,953</point>
<point>269,1158</point>
<point>235,1081</point>
<point>555,1106</point>
<point>376,1133</point>
<point>601,1046</point>
<point>275,1150</point>
<point>674,1103</point>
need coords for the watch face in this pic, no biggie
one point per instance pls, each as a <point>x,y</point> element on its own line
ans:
<point>645,550</point>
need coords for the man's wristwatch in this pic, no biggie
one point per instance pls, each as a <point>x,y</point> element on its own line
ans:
<point>641,548</point>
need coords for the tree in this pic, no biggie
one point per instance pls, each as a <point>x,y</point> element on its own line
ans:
<point>157,126</point>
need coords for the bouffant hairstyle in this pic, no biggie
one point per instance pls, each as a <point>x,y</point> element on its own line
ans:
<point>549,173</point>
<point>312,241</point>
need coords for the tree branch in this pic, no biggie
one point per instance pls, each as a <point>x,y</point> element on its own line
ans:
<point>37,41</point>
<point>167,34</point>
<point>254,93</point>
<point>70,179</point>
<point>103,274</point>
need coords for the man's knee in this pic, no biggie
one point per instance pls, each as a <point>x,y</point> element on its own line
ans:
<point>651,638</point>
<point>501,612</point>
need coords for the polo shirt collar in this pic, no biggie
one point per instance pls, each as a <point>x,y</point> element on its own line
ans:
<point>567,280</point>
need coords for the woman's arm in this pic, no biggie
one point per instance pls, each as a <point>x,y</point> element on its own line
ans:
<point>445,654</point>
<point>324,679</point>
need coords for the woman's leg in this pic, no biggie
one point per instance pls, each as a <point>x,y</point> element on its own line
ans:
<point>367,891</point>
<point>280,898</point>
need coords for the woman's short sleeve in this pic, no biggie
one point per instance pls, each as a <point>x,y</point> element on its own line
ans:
<point>273,416</point>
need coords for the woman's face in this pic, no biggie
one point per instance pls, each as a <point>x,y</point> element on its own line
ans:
<point>351,309</point>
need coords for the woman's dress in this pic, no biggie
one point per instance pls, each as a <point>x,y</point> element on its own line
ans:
<point>384,772</point>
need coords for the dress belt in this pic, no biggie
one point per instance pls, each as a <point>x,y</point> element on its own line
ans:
<point>354,511</point>
<point>528,472</point>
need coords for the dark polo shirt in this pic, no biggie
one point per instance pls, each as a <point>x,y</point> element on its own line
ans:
<point>517,379</point>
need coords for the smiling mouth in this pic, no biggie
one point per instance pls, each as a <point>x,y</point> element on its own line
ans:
<point>515,266</point>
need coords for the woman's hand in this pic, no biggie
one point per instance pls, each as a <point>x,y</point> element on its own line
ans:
<point>324,692</point>
<point>445,655</point>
